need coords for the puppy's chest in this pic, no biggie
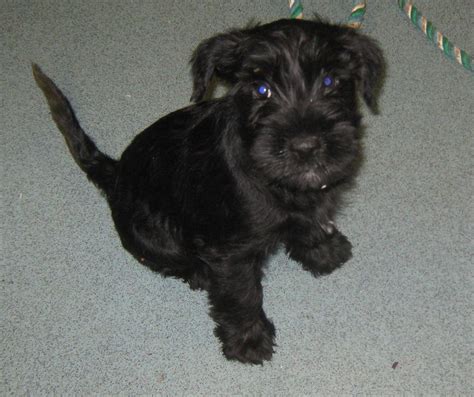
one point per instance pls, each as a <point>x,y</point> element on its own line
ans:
<point>273,217</point>
<point>313,210</point>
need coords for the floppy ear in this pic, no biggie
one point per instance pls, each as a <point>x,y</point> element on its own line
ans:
<point>218,55</point>
<point>370,66</point>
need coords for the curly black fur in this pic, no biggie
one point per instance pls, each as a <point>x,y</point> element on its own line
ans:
<point>207,192</point>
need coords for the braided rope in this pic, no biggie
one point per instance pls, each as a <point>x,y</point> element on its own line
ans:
<point>296,9</point>
<point>441,41</point>
<point>357,16</point>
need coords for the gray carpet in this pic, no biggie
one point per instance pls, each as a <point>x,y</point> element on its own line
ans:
<point>80,316</point>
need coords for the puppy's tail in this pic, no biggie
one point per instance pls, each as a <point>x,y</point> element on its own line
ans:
<point>100,168</point>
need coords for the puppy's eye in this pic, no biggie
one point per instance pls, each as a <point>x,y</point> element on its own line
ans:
<point>328,81</point>
<point>263,90</point>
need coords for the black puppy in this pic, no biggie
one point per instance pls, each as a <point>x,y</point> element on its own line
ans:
<point>207,192</point>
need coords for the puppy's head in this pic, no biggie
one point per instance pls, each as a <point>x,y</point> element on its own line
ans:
<point>295,83</point>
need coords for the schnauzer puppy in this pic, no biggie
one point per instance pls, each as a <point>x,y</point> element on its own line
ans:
<point>206,193</point>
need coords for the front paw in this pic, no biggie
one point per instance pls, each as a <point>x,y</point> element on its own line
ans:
<point>329,255</point>
<point>251,345</point>
<point>326,255</point>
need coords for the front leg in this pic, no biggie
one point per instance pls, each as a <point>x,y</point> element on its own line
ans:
<point>236,299</point>
<point>319,247</point>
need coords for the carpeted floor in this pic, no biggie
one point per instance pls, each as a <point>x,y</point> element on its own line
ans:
<point>80,316</point>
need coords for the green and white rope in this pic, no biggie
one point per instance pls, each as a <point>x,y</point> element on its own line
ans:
<point>358,12</point>
<point>441,41</point>
<point>296,9</point>
<point>354,20</point>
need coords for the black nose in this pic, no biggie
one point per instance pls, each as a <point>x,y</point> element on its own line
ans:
<point>305,147</point>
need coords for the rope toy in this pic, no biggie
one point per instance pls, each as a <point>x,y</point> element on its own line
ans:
<point>296,9</point>
<point>354,20</point>
<point>357,15</point>
<point>449,49</point>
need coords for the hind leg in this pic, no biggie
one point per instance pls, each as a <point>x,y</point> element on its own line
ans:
<point>198,279</point>
<point>195,274</point>
<point>155,247</point>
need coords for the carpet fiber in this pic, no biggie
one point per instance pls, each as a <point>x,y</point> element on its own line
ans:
<point>80,316</point>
